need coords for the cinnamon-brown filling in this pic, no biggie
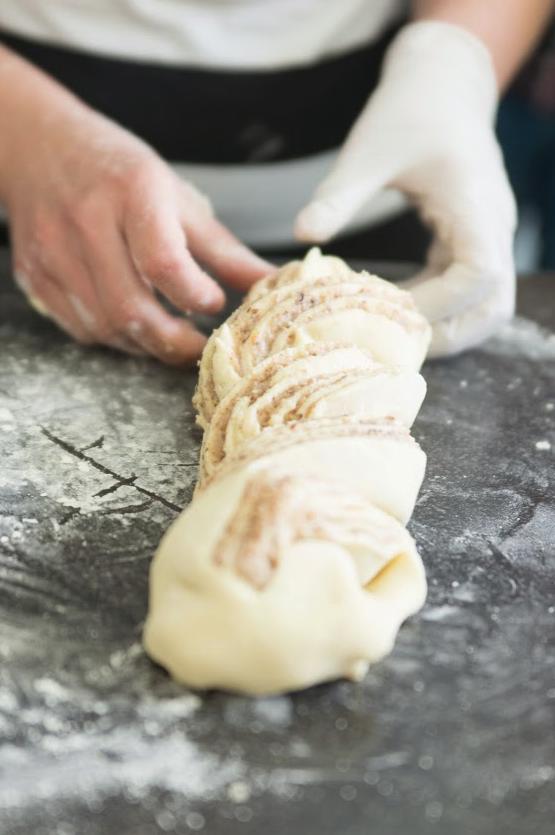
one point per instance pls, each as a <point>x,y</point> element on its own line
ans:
<point>275,512</point>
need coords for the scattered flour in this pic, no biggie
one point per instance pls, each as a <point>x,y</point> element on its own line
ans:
<point>119,760</point>
<point>277,711</point>
<point>239,791</point>
<point>6,415</point>
<point>439,613</point>
<point>78,746</point>
<point>522,337</point>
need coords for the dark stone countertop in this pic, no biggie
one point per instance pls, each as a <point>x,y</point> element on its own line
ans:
<point>453,733</point>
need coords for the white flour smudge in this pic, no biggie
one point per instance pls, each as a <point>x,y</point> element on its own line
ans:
<point>522,337</point>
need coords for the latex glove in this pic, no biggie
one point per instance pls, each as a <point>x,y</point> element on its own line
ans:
<point>427,130</point>
<point>99,222</point>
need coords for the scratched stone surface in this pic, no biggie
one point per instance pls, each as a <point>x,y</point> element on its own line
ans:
<point>454,732</point>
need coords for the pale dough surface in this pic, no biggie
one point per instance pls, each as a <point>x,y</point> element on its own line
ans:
<point>291,566</point>
<point>319,299</point>
<point>379,459</point>
<point>317,381</point>
<point>332,607</point>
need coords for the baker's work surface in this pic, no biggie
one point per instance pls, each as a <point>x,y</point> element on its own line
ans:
<point>452,733</point>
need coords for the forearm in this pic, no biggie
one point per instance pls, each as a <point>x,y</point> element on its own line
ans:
<point>28,98</point>
<point>509,28</point>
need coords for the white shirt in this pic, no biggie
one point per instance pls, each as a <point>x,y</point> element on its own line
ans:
<point>264,34</point>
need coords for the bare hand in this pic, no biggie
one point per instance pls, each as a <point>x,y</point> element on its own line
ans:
<point>99,221</point>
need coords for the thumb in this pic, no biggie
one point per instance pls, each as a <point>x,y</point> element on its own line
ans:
<point>358,174</point>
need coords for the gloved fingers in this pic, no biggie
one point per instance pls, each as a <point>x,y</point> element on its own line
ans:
<point>474,325</point>
<point>453,291</point>
<point>473,212</point>
<point>352,182</point>
<point>473,245</point>
<point>324,217</point>
<point>437,260</point>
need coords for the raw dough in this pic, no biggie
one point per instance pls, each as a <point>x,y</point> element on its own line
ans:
<point>378,458</point>
<point>320,380</point>
<point>317,300</point>
<point>271,581</point>
<point>291,565</point>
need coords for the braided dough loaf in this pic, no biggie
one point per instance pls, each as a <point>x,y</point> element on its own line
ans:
<point>292,566</point>
<point>316,300</point>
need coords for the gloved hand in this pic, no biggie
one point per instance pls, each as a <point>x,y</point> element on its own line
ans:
<point>427,130</point>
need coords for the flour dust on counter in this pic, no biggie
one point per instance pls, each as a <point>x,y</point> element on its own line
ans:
<point>448,733</point>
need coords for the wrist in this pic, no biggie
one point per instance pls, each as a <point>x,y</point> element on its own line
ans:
<point>447,57</point>
<point>31,103</point>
